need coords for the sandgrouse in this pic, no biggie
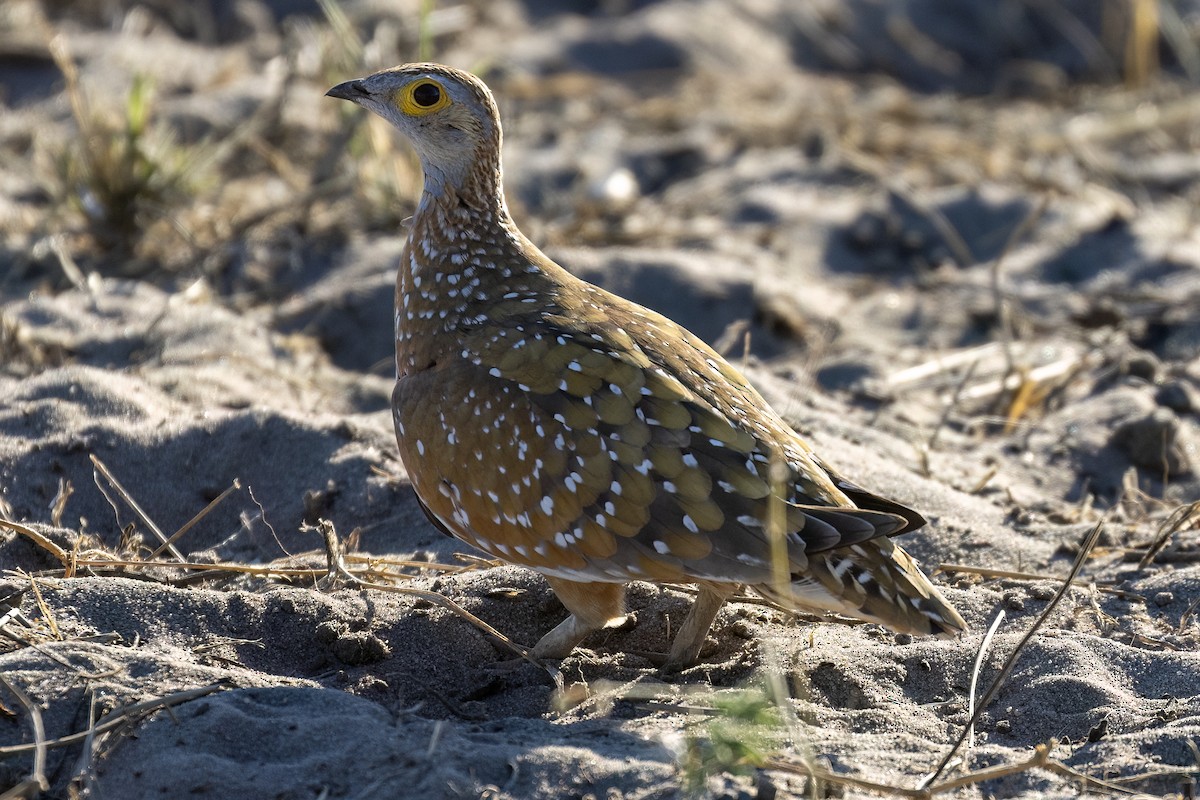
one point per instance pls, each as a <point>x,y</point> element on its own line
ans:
<point>557,426</point>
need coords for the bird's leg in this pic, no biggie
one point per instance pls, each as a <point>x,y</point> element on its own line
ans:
<point>592,605</point>
<point>690,639</point>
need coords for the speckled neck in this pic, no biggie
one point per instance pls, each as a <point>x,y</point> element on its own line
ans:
<point>463,261</point>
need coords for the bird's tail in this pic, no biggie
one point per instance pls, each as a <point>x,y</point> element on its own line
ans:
<point>874,581</point>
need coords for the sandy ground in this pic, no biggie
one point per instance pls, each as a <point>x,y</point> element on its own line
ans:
<point>957,248</point>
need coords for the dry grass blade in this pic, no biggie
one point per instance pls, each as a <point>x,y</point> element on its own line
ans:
<point>916,375</point>
<point>1177,33</point>
<point>1060,370</point>
<point>336,571</point>
<point>191,523</point>
<point>447,603</point>
<point>1039,759</point>
<point>1026,398</point>
<point>79,105</point>
<point>984,647</point>
<point>1187,614</point>
<point>777,529</point>
<point>47,615</point>
<point>262,514</point>
<point>432,566</point>
<point>269,570</point>
<point>1084,551</point>
<point>58,506</point>
<point>1179,518</point>
<point>988,572</point>
<point>343,29</point>
<point>118,717</point>
<point>69,266</point>
<point>476,561</point>
<point>36,783</point>
<point>1142,43</point>
<point>194,566</point>
<point>38,539</point>
<point>86,761</point>
<point>982,483</point>
<point>133,504</point>
<point>822,775</point>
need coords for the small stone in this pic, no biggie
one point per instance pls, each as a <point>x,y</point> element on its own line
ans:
<point>277,602</point>
<point>1014,601</point>
<point>1003,726</point>
<point>360,648</point>
<point>616,190</point>
<point>1157,443</point>
<point>1181,341</point>
<point>1164,599</point>
<point>849,375</point>
<point>1042,591</point>
<point>904,638</point>
<point>328,632</point>
<point>1101,313</point>
<point>1098,731</point>
<point>742,629</point>
<point>952,707</point>
<point>372,683</point>
<point>1178,396</point>
<point>1142,365</point>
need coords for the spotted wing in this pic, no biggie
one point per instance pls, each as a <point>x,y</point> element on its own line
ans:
<point>576,447</point>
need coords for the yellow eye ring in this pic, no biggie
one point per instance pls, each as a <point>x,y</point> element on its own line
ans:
<point>423,97</point>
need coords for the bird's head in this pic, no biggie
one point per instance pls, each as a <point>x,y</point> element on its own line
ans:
<point>449,116</point>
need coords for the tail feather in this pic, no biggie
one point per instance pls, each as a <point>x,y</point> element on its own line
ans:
<point>848,526</point>
<point>875,581</point>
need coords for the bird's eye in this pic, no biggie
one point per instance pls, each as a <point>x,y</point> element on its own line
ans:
<point>423,97</point>
<point>426,94</point>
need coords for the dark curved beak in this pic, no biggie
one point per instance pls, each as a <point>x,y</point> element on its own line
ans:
<point>350,90</point>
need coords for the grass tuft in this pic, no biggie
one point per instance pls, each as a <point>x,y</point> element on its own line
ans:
<point>739,738</point>
<point>123,172</point>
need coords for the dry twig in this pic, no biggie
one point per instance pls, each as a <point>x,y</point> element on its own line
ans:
<point>118,716</point>
<point>1039,759</point>
<point>988,572</point>
<point>940,364</point>
<point>191,523</point>
<point>36,783</point>
<point>1178,520</point>
<point>984,647</point>
<point>38,539</point>
<point>1084,551</point>
<point>337,569</point>
<point>133,504</point>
